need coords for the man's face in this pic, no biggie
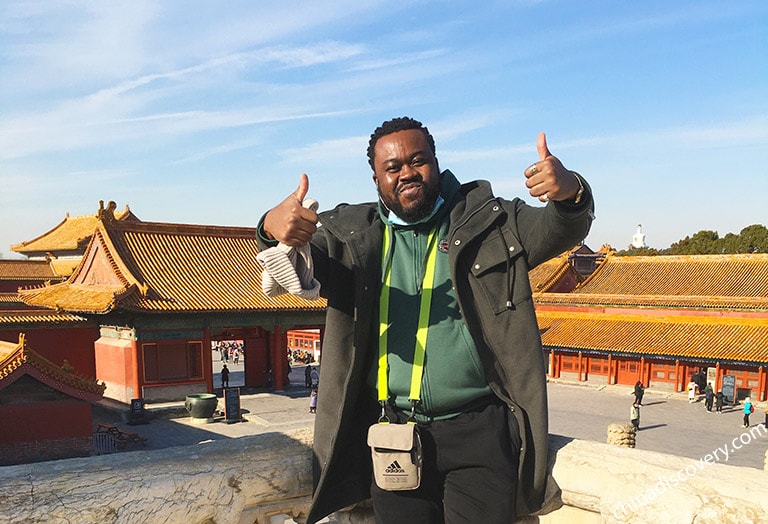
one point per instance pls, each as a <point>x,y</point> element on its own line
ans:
<point>406,174</point>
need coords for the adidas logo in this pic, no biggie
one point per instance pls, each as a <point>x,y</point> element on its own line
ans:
<point>394,468</point>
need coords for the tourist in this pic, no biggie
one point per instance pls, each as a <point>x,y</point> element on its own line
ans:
<point>224,377</point>
<point>634,415</point>
<point>313,401</point>
<point>479,357</point>
<point>719,401</point>
<point>692,387</point>
<point>749,408</point>
<point>709,397</point>
<point>639,392</point>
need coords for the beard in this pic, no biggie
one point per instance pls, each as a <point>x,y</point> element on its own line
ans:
<point>417,210</point>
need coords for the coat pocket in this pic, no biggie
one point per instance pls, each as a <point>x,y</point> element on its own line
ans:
<point>494,270</point>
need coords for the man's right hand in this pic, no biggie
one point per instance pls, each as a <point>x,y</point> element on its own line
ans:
<point>289,222</point>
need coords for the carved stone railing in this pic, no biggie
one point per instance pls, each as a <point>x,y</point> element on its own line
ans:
<point>266,479</point>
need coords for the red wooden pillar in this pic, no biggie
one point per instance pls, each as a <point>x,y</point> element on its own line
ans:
<point>136,366</point>
<point>552,363</point>
<point>277,358</point>
<point>761,383</point>
<point>677,375</point>
<point>610,368</point>
<point>579,365</point>
<point>207,360</point>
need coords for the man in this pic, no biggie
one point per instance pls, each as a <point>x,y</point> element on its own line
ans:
<point>482,408</point>
<point>224,377</point>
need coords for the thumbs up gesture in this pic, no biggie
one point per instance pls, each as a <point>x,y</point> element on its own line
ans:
<point>548,179</point>
<point>289,222</point>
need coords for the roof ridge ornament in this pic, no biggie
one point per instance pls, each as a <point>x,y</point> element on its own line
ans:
<point>108,214</point>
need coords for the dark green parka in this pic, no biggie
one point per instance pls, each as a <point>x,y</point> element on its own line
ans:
<point>493,243</point>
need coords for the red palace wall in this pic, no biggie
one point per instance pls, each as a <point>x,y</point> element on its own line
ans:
<point>56,344</point>
<point>116,365</point>
<point>40,431</point>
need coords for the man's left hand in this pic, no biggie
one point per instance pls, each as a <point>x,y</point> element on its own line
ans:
<point>548,179</point>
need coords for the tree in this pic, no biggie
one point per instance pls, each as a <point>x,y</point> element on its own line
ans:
<point>639,252</point>
<point>702,243</point>
<point>730,243</point>
<point>753,239</point>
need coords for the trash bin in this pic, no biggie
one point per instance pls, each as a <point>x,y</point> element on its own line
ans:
<point>201,405</point>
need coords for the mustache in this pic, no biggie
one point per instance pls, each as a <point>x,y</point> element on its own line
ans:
<point>415,181</point>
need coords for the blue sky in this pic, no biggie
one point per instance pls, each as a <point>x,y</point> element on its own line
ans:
<point>207,112</point>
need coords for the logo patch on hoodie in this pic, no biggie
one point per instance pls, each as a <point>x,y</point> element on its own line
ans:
<point>442,245</point>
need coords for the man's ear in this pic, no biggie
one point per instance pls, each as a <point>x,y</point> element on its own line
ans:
<point>375,180</point>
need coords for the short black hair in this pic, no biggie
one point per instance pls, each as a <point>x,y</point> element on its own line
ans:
<point>393,126</point>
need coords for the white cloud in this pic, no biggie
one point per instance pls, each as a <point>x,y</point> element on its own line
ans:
<point>326,150</point>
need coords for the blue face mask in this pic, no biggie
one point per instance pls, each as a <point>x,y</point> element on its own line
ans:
<point>397,221</point>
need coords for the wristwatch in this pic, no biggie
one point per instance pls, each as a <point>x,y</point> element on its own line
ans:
<point>580,192</point>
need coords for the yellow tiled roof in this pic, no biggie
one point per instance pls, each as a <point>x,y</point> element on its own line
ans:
<point>32,316</point>
<point>693,337</point>
<point>18,358</point>
<point>162,267</point>
<point>64,266</point>
<point>650,301</point>
<point>71,234</point>
<point>543,276</point>
<point>689,275</point>
<point>26,270</point>
<point>10,298</point>
<point>738,282</point>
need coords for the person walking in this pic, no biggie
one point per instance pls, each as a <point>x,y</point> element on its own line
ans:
<point>749,408</point>
<point>307,376</point>
<point>448,261</point>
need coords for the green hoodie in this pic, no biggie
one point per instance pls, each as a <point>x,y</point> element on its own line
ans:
<point>453,375</point>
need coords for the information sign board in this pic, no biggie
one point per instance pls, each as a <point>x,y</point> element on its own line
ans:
<point>729,388</point>
<point>232,405</point>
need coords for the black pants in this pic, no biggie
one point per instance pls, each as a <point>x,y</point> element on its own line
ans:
<point>469,473</point>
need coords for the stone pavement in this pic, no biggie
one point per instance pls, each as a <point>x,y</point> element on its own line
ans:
<point>668,422</point>
<point>262,412</point>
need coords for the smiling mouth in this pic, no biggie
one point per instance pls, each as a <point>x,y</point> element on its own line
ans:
<point>409,189</point>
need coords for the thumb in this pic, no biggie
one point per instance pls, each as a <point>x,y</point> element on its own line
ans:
<point>541,146</point>
<point>303,188</point>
